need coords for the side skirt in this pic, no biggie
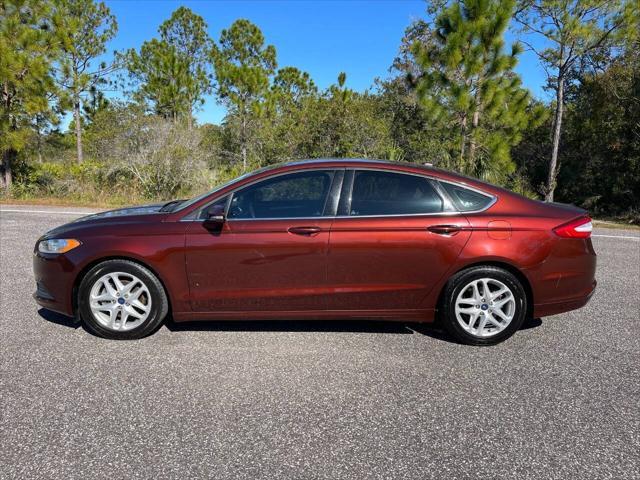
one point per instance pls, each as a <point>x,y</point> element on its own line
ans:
<point>423,316</point>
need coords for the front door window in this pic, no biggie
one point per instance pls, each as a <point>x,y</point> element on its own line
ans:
<point>296,195</point>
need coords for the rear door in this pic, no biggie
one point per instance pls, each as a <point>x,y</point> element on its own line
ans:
<point>271,253</point>
<point>394,238</point>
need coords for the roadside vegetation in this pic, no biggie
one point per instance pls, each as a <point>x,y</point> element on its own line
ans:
<point>451,98</point>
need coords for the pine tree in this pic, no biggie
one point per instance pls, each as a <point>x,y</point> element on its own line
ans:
<point>95,103</point>
<point>466,80</point>
<point>291,86</point>
<point>244,67</point>
<point>86,28</point>
<point>572,30</point>
<point>172,72</point>
<point>27,48</point>
<point>187,33</point>
<point>284,125</point>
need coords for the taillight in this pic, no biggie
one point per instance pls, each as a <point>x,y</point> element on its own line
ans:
<point>579,228</point>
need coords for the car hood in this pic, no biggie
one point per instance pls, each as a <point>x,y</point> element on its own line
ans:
<point>138,214</point>
<point>122,212</point>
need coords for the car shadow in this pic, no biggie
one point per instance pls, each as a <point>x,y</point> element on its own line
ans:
<point>531,323</point>
<point>432,330</point>
<point>338,326</point>
<point>59,319</point>
<point>435,331</point>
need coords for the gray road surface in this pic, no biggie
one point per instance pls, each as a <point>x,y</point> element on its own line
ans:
<point>299,400</point>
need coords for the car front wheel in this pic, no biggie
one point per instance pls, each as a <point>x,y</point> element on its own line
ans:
<point>122,300</point>
<point>483,305</point>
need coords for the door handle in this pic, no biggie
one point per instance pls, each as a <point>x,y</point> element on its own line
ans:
<point>444,229</point>
<point>304,230</point>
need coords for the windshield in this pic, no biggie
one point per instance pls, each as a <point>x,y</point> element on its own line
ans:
<point>195,200</point>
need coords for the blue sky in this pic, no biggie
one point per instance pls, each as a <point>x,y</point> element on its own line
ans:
<point>322,37</point>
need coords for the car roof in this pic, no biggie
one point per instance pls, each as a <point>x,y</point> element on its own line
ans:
<point>425,168</point>
<point>354,162</point>
<point>342,161</point>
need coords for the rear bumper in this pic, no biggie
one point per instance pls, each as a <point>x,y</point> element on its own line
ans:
<point>565,280</point>
<point>554,308</point>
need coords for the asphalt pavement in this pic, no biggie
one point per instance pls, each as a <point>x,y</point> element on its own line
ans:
<point>318,400</point>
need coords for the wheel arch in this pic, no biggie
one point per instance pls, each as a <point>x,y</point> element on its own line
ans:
<point>83,272</point>
<point>515,271</point>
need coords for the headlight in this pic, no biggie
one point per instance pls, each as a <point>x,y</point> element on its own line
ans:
<point>57,245</point>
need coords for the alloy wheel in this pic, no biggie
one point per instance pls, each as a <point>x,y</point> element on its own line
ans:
<point>485,307</point>
<point>120,301</point>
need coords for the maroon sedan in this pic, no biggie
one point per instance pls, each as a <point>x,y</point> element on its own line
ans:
<point>324,239</point>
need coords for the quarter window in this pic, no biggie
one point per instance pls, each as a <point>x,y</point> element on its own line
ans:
<point>295,195</point>
<point>466,200</point>
<point>387,193</point>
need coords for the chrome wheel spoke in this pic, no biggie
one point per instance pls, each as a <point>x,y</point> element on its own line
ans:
<point>502,315</point>
<point>105,306</point>
<point>469,311</point>
<point>117,282</point>
<point>124,314</point>
<point>135,294</point>
<point>473,320</point>
<point>134,314</point>
<point>111,290</point>
<point>140,305</point>
<point>494,321</point>
<point>467,301</point>
<point>476,292</point>
<point>486,292</point>
<point>103,297</point>
<point>503,301</point>
<point>482,324</point>
<point>113,315</point>
<point>497,294</point>
<point>131,285</point>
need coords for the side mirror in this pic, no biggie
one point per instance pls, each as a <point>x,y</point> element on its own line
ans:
<point>214,218</point>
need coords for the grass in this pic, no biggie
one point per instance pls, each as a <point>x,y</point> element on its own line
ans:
<point>615,224</point>
<point>70,202</point>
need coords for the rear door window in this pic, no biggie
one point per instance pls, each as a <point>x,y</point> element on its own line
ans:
<point>387,193</point>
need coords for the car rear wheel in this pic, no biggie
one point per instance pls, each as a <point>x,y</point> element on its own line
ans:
<point>121,299</point>
<point>483,305</point>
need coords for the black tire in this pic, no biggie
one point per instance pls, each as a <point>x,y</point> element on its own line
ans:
<point>460,281</point>
<point>159,302</point>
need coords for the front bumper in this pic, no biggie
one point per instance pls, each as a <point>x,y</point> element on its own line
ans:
<point>54,276</point>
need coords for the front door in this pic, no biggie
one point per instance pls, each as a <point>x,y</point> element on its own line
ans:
<point>391,243</point>
<point>271,253</point>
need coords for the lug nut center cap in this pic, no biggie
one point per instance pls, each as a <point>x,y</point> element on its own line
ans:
<point>121,301</point>
<point>484,306</point>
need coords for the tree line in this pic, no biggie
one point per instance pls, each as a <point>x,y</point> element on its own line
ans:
<point>451,98</point>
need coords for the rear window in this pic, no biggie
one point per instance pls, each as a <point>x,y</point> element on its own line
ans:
<point>466,200</point>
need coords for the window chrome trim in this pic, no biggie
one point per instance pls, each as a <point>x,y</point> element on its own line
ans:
<point>434,180</point>
<point>333,217</point>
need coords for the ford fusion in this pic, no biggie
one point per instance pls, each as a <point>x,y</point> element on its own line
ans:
<point>324,239</point>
